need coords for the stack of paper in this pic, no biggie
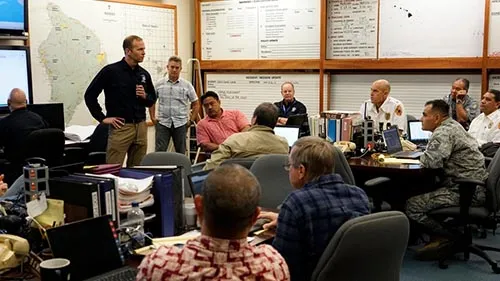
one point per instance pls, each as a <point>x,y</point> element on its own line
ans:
<point>132,190</point>
<point>79,133</point>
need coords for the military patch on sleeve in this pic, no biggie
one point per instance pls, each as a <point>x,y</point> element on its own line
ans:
<point>399,110</point>
<point>433,145</point>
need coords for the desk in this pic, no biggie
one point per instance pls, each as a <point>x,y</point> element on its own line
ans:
<point>407,180</point>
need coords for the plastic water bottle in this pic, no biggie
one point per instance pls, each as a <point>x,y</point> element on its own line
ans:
<point>135,221</point>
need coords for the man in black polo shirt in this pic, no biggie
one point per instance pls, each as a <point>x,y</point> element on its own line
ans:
<point>128,90</point>
<point>14,130</point>
<point>289,106</point>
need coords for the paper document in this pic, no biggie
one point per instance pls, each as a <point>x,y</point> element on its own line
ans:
<point>129,185</point>
<point>78,132</point>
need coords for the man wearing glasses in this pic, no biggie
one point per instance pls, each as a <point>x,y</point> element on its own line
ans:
<point>310,215</point>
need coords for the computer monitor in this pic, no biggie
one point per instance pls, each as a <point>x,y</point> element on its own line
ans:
<point>290,133</point>
<point>296,120</point>
<point>15,71</point>
<point>91,245</point>
<point>196,181</point>
<point>415,132</point>
<point>13,17</point>
<point>52,113</point>
<point>392,141</point>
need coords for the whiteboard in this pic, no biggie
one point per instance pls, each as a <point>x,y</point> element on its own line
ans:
<point>494,82</point>
<point>431,28</point>
<point>264,29</point>
<point>246,91</point>
<point>352,29</point>
<point>70,41</point>
<point>494,38</point>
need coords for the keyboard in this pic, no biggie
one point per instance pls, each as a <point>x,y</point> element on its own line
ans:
<point>122,274</point>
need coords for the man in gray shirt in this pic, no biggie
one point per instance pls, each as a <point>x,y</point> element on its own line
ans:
<point>463,108</point>
<point>174,96</point>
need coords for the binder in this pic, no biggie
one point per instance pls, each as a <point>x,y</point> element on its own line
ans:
<point>107,194</point>
<point>168,195</point>
<point>81,199</point>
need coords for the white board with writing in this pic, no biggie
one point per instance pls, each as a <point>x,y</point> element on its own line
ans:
<point>494,38</point>
<point>264,29</point>
<point>494,82</point>
<point>246,91</point>
<point>431,28</point>
<point>352,29</point>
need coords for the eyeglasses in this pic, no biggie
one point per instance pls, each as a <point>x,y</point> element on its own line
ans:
<point>287,167</point>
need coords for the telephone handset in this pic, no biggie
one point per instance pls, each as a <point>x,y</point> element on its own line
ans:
<point>408,145</point>
<point>345,146</point>
<point>13,249</point>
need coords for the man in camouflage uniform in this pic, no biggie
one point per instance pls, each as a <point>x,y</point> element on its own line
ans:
<point>456,153</point>
<point>463,108</point>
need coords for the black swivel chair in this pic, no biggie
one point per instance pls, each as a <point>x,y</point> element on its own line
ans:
<point>467,215</point>
<point>47,144</point>
<point>96,148</point>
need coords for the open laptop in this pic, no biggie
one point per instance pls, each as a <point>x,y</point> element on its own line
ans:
<point>196,181</point>
<point>92,247</point>
<point>394,146</point>
<point>289,132</point>
<point>415,133</point>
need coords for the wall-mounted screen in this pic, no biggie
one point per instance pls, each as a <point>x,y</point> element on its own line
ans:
<point>13,17</point>
<point>15,72</point>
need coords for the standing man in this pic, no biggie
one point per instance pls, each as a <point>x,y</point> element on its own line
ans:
<point>128,89</point>
<point>218,123</point>
<point>463,108</point>
<point>289,105</point>
<point>174,96</point>
<point>455,152</point>
<point>486,127</point>
<point>312,214</point>
<point>383,109</point>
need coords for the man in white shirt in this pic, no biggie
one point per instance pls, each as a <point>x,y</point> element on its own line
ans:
<point>486,127</point>
<point>385,111</point>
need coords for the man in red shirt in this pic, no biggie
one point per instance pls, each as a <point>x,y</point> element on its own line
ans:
<point>219,124</point>
<point>227,209</point>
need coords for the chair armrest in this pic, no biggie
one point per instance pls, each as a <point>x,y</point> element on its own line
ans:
<point>198,166</point>
<point>377,181</point>
<point>469,182</point>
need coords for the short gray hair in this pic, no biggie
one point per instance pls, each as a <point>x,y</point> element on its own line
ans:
<point>315,154</point>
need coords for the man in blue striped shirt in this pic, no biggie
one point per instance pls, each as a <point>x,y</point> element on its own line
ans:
<point>310,215</point>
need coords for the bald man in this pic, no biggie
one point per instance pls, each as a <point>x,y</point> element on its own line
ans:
<point>384,110</point>
<point>14,130</point>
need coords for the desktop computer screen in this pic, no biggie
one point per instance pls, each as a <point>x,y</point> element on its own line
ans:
<point>15,69</point>
<point>13,17</point>
<point>52,113</point>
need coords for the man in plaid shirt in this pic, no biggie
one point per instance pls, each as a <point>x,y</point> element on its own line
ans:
<point>310,215</point>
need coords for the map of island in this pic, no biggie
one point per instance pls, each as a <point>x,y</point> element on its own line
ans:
<point>71,55</point>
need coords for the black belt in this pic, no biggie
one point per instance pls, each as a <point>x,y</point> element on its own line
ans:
<point>133,121</point>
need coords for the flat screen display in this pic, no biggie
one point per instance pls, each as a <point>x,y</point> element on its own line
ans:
<point>13,17</point>
<point>15,72</point>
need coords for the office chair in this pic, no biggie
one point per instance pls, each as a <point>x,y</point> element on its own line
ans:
<point>342,168</point>
<point>170,158</point>
<point>369,247</point>
<point>96,148</point>
<point>273,179</point>
<point>466,215</point>
<point>47,144</point>
<point>245,162</point>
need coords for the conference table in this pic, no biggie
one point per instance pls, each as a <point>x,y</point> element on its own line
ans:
<point>407,180</point>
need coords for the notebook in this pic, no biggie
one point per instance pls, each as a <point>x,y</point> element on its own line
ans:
<point>290,133</point>
<point>394,146</point>
<point>196,181</point>
<point>91,253</point>
<point>415,133</point>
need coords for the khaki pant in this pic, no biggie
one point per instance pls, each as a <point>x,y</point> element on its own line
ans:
<point>131,140</point>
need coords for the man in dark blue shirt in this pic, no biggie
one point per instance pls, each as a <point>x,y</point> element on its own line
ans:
<point>289,106</point>
<point>310,215</point>
<point>128,89</point>
<point>14,131</point>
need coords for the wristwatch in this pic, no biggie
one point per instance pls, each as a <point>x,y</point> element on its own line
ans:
<point>460,101</point>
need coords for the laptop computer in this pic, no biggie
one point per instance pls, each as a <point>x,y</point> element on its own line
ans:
<point>415,133</point>
<point>196,181</point>
<point>394,146</point>
<point>290,133</point>
<point>92,247</point>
